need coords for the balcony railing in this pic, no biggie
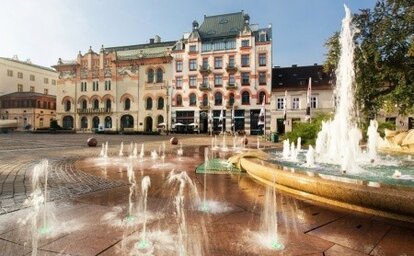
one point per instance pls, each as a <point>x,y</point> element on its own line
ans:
<point>230,86</point>
<point>204,107</point>
<point>231,68</point>
<point>204,69</point>
<point>204,87</point>
<point>92,111</point>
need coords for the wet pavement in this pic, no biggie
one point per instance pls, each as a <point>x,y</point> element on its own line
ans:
<point>89,198</point>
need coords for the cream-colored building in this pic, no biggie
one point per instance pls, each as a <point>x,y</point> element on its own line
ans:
<point>225,62</point>
<point>24,76</point>
<point>289,89</point>
<point>120,88</point>
<point>27,93</point>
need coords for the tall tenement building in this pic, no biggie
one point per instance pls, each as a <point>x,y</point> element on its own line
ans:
<point>223,64</point>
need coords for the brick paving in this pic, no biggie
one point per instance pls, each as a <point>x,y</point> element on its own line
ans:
<point>83,196</point>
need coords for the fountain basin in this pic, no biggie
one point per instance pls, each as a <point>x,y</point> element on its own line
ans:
<point>389,201</point>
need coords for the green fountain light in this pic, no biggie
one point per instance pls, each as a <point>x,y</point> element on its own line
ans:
<point>143,244</point>
<point>130,218</point>
<point>276,245</point>
<point>44,230</point>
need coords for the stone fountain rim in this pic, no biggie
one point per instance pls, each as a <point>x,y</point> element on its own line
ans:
<point>368,199</point>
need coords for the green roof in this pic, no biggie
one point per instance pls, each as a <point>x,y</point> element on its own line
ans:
<point>225,25</point>
<point>153,52</point>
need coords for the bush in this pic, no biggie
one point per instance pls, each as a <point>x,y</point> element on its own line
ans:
<point>383,126</point>
<point>308,131</point>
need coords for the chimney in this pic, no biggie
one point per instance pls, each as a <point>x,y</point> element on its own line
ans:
<point>294,66</point>
<point>151,40</point>
<point>315,64</point>
<point>157,39</point>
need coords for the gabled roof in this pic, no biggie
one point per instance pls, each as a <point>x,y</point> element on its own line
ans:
<point>141,46</point>
<point>296,78</point>
<point>29,64</point>
<point>224,25</point>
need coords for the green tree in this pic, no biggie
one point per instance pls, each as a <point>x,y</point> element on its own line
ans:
<point>384,56</point>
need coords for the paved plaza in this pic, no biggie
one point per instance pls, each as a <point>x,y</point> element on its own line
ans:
<point>90,200</point>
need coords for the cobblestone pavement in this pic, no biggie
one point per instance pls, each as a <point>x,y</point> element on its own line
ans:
<point>19,152</point>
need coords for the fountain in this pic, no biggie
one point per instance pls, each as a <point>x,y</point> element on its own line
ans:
<point>121,149</point>
<point>132,181</point>
<point>180,150</point>
<point>185,244</point>
<point>104,150</point>
<point>337,171</point>
<point>142,153</point>
<point>224,144</point>
<point>214,143</point>
<point>144,243</point>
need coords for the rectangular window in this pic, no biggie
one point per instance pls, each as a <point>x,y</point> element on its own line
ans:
<point>218,62</point>
<point>107,85</point>
<point>19,74</point>
<point>9,72</point>
<point>245,43</point>
<point>295,103</point>
<point>46,80</point>
<point>205,63</point>
<point>218,80</point>
<point>192,81</point>
<point>262,78</point>
<point>231,79</point>
<point>32,78</point>
<point>95,86</point>
<point>245,60</point>
<point>46,91</point>
<point>31,88</point>
<point>231,62</point>
<point>192,64</point>
<point>193,48</point>
<point>179,66</point>
<point>205,80</point>
<point>314,102</point>
<point>245,78</point>
<point>262,59</point>
<point>19,87</point>
<point>280,103</point>
<point>53,82</point>
<point>179,82</point>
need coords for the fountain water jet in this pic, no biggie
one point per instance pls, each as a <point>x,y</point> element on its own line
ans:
<point>121,150</point>
<point>145,184</point>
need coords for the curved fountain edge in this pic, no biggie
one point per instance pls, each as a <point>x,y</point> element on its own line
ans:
<point>385,201</point>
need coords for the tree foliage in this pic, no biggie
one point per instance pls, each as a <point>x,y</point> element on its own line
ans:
<point>384,56</point>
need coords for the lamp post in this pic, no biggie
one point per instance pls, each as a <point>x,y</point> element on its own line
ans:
<point>167,107</point>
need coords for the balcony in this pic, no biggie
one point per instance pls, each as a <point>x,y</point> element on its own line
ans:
<point>204,107</point>
<point>94,111</point>
<point>231,68</point>
<point>204,87</point>
<point>204,69</point>
<point>231,86</point>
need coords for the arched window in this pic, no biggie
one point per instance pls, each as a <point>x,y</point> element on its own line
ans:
<point>218,99</point>
<point>245,98</point>
<point>67,122</point>
<point>205,100</point>
<point>149,103</point>
<point>160,103</point>
<point>68,105</point>
<point>179,100</point>
<point>193,99</point>
<point>160,119</point>
<point>95,122</point>
<point>261,97</point>
<point>150,76</point>
<point>127,121</point>
<point>84,122</point>
<point>127,104</point>
<point>96,104</point>
<point>108,122</point>
<point>159,75</point>
<point>108,104</point>
<point>231,99</point>
<point>84,104</point>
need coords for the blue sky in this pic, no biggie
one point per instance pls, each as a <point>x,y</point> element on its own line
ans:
<point>44,30</point>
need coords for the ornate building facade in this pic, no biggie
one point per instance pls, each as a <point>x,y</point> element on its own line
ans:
<point>120,88</point>
<point>223,66</point>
